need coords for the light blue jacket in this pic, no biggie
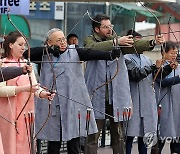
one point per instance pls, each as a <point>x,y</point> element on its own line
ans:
<point>70,83</point>
<point>144,118</point>
<point>119,90</point>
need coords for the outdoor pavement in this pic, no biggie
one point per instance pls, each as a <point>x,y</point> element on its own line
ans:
<point>108,150</point>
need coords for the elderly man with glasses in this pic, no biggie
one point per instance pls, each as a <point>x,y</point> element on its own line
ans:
<point>63,73</point>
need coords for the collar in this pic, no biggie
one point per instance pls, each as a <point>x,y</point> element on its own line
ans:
<point>99,39</point>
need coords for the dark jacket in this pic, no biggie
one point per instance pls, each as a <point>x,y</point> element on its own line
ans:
<point>10,73</point>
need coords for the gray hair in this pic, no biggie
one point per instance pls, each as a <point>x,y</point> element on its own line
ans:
<point>52,31</point>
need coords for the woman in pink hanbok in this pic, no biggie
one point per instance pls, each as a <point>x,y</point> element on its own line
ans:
<point>14,94</point>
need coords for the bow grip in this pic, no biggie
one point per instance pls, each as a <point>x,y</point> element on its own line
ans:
<point>28,63</point>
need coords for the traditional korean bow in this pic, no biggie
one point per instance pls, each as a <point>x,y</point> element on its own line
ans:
<point>28,63</point>
<point>29,75</point>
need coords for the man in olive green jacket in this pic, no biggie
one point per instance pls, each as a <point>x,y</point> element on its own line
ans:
<point>114,96</point>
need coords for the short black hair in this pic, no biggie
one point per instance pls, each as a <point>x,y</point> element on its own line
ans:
<point>71,35</point>
<point>96,22</point>
<point>167,46</point>
<point>133,33</point>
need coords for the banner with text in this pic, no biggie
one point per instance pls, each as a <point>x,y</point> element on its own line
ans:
<point>14,6</point>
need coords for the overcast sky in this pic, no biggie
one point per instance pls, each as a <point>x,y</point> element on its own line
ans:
<point>143,26</point>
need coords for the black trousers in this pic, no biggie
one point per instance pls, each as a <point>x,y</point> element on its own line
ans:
<point>72,146</point>
<point>141,146</point>
<point>174,147</point>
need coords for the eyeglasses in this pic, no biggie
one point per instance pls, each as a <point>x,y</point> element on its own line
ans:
<point>61,40</point>
<point>107,26</point>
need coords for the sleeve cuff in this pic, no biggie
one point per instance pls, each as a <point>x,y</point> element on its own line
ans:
<point>152,43</point>
<point>38,92</point>
<point>7,91</point>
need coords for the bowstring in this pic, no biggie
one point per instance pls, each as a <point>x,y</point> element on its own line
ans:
<point>172,31</point>
<point>28,62</point>
<point>162,47</point>
<point>133,28</point>
<point>53,86</point>
<point>87,13</point>
<point>161,68</point>
<point>9,102</point>
<point>78,22</point>
<point>117,63</point>
<point>176,59</point>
